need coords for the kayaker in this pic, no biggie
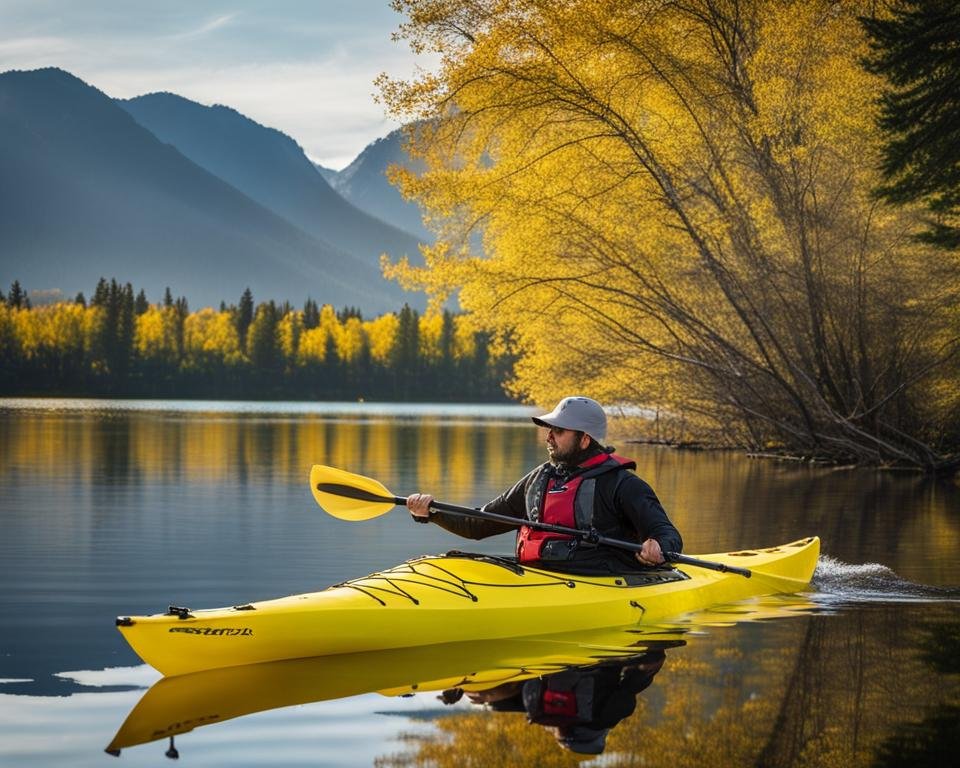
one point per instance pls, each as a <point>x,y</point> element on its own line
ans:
<point>583,485</point>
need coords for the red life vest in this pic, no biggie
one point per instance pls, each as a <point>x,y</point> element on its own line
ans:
<point>568,503</point>
<point>564,698</point>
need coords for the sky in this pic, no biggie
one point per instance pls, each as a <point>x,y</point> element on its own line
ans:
<point>305,67</point>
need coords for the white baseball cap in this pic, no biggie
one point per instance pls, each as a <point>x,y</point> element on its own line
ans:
<point>578,413</point>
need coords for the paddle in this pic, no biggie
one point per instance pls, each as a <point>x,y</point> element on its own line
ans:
<point>348,496</point>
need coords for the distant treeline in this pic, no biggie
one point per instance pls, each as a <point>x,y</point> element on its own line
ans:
<point>119,344</point>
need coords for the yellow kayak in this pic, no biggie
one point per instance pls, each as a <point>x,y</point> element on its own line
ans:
<point>449,599</point>
<point>176,705</point>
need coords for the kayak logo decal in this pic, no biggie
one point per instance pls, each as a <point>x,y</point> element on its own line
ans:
<point>211,631</point>
<point>184,725</point>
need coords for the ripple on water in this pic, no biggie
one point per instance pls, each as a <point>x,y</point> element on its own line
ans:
<point>837,582</point>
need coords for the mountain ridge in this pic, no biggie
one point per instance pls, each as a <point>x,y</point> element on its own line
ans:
<point>86,191</point>
<point>269,167</point>
<point>364,183</point>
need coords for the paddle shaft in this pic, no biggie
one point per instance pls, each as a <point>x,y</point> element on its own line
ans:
<point>591,537</point>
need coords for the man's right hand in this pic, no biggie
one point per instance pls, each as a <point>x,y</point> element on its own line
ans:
<point>419,504</point>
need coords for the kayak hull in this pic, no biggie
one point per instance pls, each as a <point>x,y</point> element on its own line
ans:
<point>448,599</point>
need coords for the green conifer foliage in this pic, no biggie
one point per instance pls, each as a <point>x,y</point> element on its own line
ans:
<point>917,50</point>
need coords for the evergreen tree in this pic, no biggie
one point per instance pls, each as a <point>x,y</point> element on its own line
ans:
<point>128,307</point>
<point>182,310</point>
<point>447,365</point>
<point>263,347</point>
<point>917,50</point>
<point>331,362</point>
<point>81,300</point>
<point>311,314</point>
<point>101,293</point>
<point>406,352</point>
<point>106,346</point>
<point>141,305</point>
<point>17,298</point>
<point>244,316</point>
<point>124,331</point>
<point>3,299</point>
<point>167,298</point>
<point>114,307</point>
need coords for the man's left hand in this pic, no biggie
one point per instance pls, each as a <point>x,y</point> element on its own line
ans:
<point>650,554</point>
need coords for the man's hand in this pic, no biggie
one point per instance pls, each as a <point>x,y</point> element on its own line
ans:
<point>419,505</point>
<point>650,554</point>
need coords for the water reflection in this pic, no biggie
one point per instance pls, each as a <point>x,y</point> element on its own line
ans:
<point>117,507</point>
<point>177,705</point>
<point>579,705</point>
<point>720,501</point>
<point>132,447</point>
<point>112,506</point>
<point>728,687</point>
<point>932,742</point>
<point>825,691</point>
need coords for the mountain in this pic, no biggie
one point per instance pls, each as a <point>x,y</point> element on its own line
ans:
<point>270,168</point>
<point>328,173</point>
<point>364,183</point>
<point>87,191</point>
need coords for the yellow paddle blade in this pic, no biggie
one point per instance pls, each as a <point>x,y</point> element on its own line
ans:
<point>348,496</point>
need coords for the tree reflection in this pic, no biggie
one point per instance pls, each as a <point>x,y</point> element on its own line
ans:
<point>871,688</point>
<point>932,743</point>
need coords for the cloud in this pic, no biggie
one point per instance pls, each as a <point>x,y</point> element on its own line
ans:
<point>32,48</point>
<point>305,69</point>
<point>326,106</point>
<point>206,28</point>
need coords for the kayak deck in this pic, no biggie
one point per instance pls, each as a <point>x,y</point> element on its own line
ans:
<point>452,598</point>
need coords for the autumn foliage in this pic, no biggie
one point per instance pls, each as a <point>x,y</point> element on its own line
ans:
<point>676,212</point>
<point>122,345</point>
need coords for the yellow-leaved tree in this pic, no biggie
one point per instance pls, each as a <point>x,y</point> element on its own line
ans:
<point>210,338</point>
<point>382,333</point>
<point>155,335</point>
<point>674,201</point>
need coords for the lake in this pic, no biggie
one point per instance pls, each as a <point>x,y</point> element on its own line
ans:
<point>126,507</point>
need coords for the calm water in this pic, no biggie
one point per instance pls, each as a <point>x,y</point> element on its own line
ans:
<point>120,507</point>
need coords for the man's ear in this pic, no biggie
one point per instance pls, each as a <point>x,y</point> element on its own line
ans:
<point>584,441</point>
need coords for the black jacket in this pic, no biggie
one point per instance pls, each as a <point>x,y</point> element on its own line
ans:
<point>625,507</point>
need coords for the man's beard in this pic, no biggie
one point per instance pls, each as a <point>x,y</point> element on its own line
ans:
<point>569,458</point>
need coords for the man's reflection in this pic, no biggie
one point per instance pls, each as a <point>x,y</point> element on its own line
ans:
<point>578,705</point>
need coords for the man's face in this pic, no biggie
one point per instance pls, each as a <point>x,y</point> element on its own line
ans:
<point>564,444</point>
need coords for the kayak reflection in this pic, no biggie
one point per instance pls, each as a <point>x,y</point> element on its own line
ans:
<point>620,662</point>
<point>578,705</point>
<point>176,705</point>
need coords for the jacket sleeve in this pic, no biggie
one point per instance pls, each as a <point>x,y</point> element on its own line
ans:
<point>637,501</point>
<point>511,503</point>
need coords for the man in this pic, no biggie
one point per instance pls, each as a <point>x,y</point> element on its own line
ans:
<point>584,486</point>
